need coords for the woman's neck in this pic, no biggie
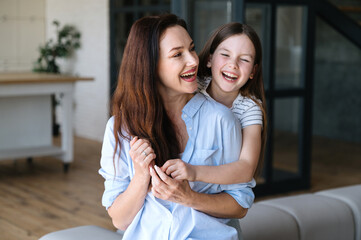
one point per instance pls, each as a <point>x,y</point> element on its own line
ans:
<point>220,96</point>
<point>174,104</point>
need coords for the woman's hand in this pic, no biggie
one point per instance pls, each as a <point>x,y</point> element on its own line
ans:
<point>221,205</point>
<point>179,170</point>
<point>166,188</point>
<point>142,155</point>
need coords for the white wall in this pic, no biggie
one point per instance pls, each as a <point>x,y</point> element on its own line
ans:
<point>22,31</point>
<point>91,101</point>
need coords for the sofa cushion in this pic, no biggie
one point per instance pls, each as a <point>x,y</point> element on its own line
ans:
<point>83,233</point>
<point>268,223</point>
<point>352,197</point>
<point>318,217</point>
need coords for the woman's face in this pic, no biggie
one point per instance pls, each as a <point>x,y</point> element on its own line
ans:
<point>178,62</point>
<point>232,64</point>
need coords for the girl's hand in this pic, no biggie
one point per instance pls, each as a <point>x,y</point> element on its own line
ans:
<point>179,170</point>
<point>166,188</point>
<point>142,155</point>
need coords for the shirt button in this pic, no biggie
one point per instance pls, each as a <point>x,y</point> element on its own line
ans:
<point>184,115</point>
<point>190,128</point>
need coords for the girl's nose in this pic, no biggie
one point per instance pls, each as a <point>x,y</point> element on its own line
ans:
<point>233,64</point>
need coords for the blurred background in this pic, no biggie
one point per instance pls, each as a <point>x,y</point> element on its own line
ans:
<point>312,76</point>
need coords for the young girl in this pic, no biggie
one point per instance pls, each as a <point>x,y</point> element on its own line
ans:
<point>230,72</point>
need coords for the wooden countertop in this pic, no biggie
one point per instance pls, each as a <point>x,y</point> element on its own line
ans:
<point>31,77</point>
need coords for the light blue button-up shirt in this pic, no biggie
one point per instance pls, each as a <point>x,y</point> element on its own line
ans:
<point>214,139</point>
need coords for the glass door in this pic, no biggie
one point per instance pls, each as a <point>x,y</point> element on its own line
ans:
<point>286,33</point>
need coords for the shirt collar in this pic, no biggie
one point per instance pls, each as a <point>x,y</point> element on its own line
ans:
<point>193,105</point>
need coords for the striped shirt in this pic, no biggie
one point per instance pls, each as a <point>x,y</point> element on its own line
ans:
<point>245,109</point>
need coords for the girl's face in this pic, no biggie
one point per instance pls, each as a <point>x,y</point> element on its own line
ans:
<point>232,64</point>
<point>178,62</point>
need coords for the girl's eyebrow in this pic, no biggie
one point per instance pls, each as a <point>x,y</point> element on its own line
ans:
<point>243,54</point>
<point>224,49</point>
<point>180,47</point>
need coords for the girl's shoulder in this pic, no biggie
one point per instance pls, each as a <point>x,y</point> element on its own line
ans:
<point>245,103</point>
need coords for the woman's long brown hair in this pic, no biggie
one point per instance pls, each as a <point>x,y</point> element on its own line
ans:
<point>137,107</point>
<point>254,88</point>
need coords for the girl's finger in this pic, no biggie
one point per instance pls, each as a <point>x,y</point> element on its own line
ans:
<point>172,169</point>
<point>167,164</point>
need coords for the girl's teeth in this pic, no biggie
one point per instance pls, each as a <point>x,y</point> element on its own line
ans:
<point>230,75</point>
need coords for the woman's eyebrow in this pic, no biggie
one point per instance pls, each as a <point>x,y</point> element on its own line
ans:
<point>176,48</point>
<point>181,47</point>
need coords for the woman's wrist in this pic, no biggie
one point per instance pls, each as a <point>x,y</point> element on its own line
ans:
<point>141,179</point>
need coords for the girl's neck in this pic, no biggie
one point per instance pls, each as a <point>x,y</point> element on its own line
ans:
<point>221,96</point>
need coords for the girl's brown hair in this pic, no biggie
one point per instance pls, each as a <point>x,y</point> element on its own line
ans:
<point>254,88</point>
<point>137,107</point>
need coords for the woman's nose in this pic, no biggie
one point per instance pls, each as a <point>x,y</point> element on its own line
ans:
<point>192,59</point>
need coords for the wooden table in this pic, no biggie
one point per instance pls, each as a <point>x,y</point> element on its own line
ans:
<point>26,115</point>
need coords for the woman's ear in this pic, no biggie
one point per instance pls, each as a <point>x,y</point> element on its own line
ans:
<point>209,64</point>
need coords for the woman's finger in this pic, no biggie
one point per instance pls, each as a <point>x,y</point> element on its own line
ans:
<point>149,159</point>
<point>134,139</point>
<point>148,150</point>
<point>155,179</point>
<point>137,144</point>
<point>164,177</point>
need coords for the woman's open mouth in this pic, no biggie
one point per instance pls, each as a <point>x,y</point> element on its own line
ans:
<point>189,76</point>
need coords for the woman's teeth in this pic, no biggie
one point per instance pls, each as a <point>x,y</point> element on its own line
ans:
<point>187,75</point>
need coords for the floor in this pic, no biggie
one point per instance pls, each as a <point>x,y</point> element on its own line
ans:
<point>37,198</point>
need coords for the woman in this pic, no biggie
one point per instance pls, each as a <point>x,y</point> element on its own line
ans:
<point>154,100</point>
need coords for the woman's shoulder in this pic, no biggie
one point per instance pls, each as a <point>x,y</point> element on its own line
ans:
<point>109,129</point>
<point>218,110</point>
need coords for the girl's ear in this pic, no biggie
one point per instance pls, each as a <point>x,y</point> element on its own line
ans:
<point>209,64</point>
<point>253,71</point>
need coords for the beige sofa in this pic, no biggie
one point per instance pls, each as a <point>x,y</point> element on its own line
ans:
<point>333,214</point>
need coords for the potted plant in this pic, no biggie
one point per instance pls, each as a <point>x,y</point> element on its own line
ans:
<point>68,40</point>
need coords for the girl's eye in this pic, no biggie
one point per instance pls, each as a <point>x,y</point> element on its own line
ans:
<point>244,60</point>
<point>223,54</point>
<point>193,49</point>
<point>178,55</point>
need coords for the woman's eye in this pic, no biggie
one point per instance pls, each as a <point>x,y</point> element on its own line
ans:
<point>177,55</point>
<point>244,60</point>
<point>193,49</point>
<point>223,54</point>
